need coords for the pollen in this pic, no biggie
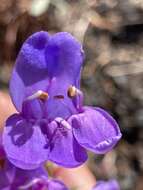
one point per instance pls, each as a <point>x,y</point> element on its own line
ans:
<point>72,92</point>
<point>43,96</point>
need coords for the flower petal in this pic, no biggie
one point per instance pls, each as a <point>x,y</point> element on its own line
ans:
<point>50,64</point>
<point>22,141</point>
<point>64,57</point>
<point>96,130</point>
<point>56,185</point>
<point>33,109</point>
<point>107,185</point>
<point>57,107</point>
<point>64,149</point>
<point>26,178</point>
<point>13,177</point>
<point>30,72</point>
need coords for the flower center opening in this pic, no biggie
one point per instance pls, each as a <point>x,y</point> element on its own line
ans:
<point>72,93</point>
<point>60,97</point>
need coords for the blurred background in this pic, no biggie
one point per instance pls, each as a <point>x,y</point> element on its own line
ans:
<point>111,32</point>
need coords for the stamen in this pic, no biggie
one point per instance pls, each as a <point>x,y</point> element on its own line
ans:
<point>63,122</point>
<point>39,94</point>
<point>73,91</point>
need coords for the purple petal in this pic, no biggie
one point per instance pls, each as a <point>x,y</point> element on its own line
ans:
<point>64,149</point>
<point>13,177</point>
<point>57,107</point>
<point>30,73</point>
<point>33,109</point>
<point>50,64</point>
<point>64,57</point>
<point>96,130</point>
<point>109,185</point>
<point>25,177</point>
<point>22,141</point>
<point>56,185</point>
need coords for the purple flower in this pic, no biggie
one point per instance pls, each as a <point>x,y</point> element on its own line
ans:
<point>52,123</point>
<point>108,185</point>
<point>12,178</point>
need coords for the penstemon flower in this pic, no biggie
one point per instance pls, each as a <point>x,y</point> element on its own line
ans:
<point>52,123</point>
<point>107,185</point>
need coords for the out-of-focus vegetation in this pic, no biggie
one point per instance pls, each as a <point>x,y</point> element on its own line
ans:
<point>112,35</point>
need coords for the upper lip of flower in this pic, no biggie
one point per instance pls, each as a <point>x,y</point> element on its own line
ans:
<point>54,66</point>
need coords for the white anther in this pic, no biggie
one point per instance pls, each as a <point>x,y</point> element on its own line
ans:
<point>63,122</point>
<point>79,92</point>
<point>39,94</point>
